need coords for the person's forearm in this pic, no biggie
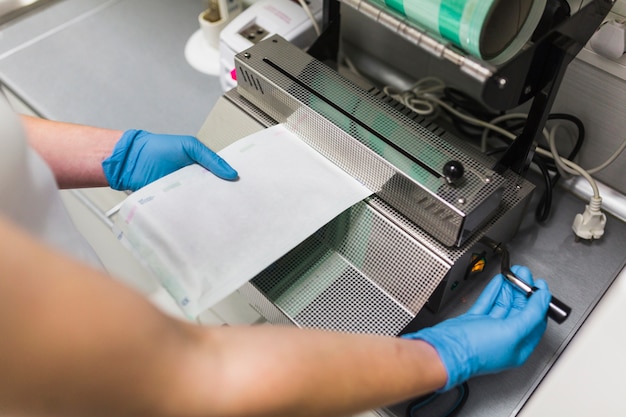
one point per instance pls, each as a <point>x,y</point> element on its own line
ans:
<point>74,341</point>
<point>78,343</point>
<point>73,152</point>
<point>278,371</point>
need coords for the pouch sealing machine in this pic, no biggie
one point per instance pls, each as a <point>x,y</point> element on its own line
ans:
<point>407,256</point>
<point>374,267</point>
<point>421,237</point>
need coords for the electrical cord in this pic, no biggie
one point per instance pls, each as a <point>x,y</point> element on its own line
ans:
<point>308,12</point>
<point>593,210</point>
<point>562,162</point>
<point>590,224</point>
<point>580,137</point>
<point>544,207</point>
<point>579,126</point>
<point>462,395</point>
<point>424,97</point>
<point>545,165</point>
<point>568,166</point>
<point>461,100</point>
<point>565,164</point>
<point>416,97</point>
<point>542,211</point>
<point>502,131</point>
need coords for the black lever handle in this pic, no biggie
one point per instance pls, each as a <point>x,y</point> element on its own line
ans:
<point>557,311</point>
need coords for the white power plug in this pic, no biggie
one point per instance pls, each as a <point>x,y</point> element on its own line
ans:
<point>610,39</point>
<point>590,224</point>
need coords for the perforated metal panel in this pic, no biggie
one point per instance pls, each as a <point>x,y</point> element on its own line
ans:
<point>359,273</point>
<point>373,268</point>
<point>390,153</point>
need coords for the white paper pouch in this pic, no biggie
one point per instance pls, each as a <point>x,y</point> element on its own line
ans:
<point>204,237</point>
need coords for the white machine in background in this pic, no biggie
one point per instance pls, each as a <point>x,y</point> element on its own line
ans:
<point>287,18</point>
<point>202,48</point>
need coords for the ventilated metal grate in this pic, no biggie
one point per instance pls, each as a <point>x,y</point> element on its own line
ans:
<point>359,273</point>
<point>353,304</point>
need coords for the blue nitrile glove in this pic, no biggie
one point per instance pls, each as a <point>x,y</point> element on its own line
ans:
<point>498,332</point>
<point>140,157</point>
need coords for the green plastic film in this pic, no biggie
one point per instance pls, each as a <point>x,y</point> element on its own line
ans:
<point>493,30</point>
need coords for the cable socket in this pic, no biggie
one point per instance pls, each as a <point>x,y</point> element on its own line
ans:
<point>590,224</point>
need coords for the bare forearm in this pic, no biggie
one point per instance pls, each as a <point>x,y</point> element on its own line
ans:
<point>73,152</point>
<point>274,371</point>
<point>77,343</point>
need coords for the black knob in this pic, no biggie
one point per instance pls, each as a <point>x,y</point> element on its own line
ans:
<point>453,171</point>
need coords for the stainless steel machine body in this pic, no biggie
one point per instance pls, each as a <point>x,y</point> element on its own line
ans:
<point>397,158</point>
<point>374,267</point>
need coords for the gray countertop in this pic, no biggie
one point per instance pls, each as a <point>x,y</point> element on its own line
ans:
<point>115,63</point>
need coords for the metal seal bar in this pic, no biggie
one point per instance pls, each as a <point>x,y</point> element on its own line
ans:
<point>400,160</point>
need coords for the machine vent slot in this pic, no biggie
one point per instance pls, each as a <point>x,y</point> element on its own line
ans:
<point>250,79</point>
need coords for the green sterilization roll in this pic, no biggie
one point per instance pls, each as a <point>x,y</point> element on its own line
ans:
<point>492,30</point>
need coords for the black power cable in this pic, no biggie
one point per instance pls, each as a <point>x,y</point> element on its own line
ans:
<point>549,172</point>
<point>462,394</point>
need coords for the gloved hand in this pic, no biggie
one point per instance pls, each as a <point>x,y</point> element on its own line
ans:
<point>498,332</point>
<point>141,157</point>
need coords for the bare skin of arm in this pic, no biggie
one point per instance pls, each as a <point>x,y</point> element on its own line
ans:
<point>89,147</point>
<point>78,343</point>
